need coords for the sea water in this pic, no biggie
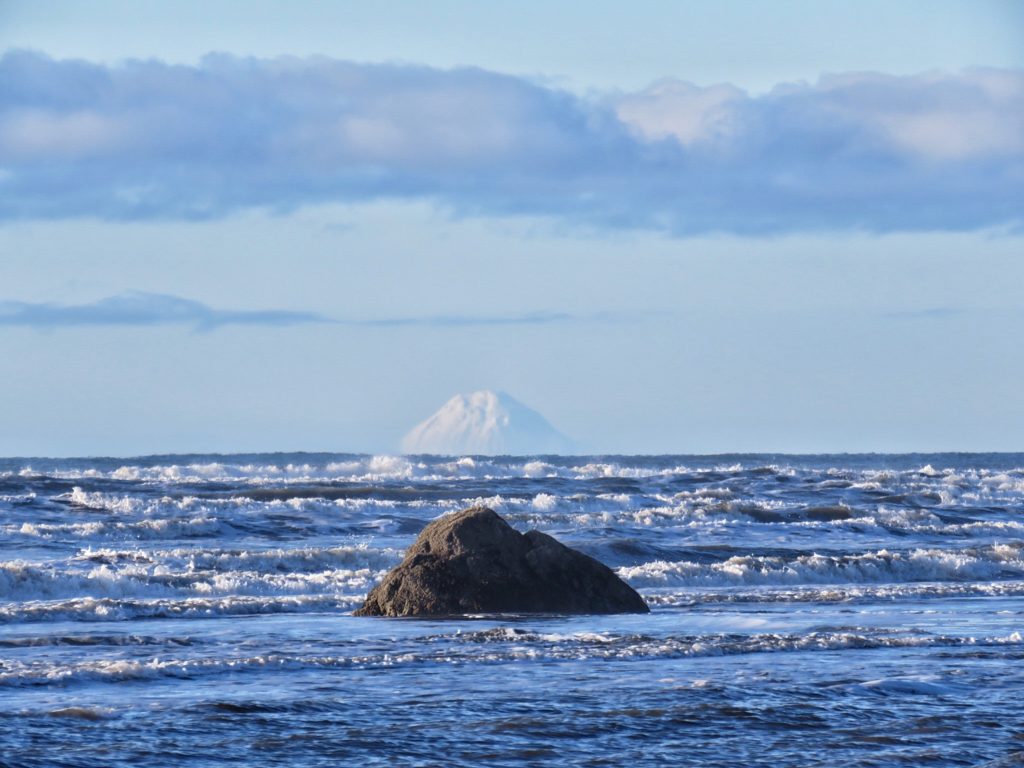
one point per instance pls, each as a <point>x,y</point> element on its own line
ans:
<point>806,610</point>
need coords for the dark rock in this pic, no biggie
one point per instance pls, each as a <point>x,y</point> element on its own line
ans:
<point>475,562</point>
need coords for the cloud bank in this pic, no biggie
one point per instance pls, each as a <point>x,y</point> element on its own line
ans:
<point>141,309</point>
<point>460,321</point>
<point>149,140</point>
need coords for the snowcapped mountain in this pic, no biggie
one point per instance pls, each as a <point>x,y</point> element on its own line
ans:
<point>485,422</point>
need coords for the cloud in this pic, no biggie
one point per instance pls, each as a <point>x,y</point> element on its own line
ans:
<point>456,321</point>
<point>143,309</point>
<point>857,151</point>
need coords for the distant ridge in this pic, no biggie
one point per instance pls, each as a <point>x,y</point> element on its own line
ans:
<point>485,422</point>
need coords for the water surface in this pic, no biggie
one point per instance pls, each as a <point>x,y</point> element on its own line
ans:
<point>807,610</point>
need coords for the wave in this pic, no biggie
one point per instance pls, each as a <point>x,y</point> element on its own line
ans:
<point>107,609</point>
<point>93,641</point>
<point>129,517</point>
<point>198,526</point>
<point>134,517</point>
<point>999,561</point>
<point>277,560</point>
<point>384,467</point>
<point>669,597</point>
<point>183,572</point>
<point>499,645</point>
<point>92,609</point>
<point>353,469</point>
<point>713,507</point>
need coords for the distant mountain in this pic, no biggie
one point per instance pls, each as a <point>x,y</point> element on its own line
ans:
<point>485,422</point>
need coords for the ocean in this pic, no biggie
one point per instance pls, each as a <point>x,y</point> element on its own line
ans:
<point>195,610</point>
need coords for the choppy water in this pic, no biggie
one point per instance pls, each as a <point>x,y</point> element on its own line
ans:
<point>817,610</point>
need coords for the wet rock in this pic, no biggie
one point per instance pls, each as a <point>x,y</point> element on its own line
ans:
<point>475,562</point>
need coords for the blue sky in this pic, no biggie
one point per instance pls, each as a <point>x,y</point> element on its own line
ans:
<point>775,227</point>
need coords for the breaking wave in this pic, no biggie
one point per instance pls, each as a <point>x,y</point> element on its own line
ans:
<point>1000,561</point>
<point>502,645</point>
<point>136,573</point>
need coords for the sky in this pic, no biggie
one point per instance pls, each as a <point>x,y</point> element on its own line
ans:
<point>668,227</point>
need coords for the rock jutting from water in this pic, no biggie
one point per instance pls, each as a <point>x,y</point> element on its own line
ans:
<point>475,562</point>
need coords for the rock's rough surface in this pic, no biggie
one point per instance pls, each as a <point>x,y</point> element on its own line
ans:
<point>475,562</point>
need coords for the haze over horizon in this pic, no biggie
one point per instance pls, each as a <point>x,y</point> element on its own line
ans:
<point>261,228</point>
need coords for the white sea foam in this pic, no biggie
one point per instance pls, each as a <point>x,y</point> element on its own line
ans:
<point>128,517</point>
<point>134,573</point>
<point>964,485</point>
<point>90,609</point>
<point>155,528</point>
<point>683,596</point>
<point>539,469</point>
<point>30,582</point>
<point>544,502</point>
<point>277,560</point>
<point>724,505</point>
<point>487,647</point>
<point>994,562</point>
<point>104,502</point>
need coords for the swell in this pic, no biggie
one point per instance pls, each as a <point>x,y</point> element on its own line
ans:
<point>306,511</point>
<point>502,645</point>
<point>106,609</point>
<point>997,561</point>
<point>204,572</point>
<point>681,597</point>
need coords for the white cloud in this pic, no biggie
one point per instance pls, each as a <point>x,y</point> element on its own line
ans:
<point>38,132</point>
<point>683,111</point>
<point>936,116</point>
<point>856,151</point>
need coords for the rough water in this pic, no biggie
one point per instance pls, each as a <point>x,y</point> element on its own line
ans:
<point>806,610</point>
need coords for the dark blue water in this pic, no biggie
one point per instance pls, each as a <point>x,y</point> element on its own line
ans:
<point>814,610</point>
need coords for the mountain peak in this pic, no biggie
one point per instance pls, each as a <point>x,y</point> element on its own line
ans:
<point>485,422</point>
